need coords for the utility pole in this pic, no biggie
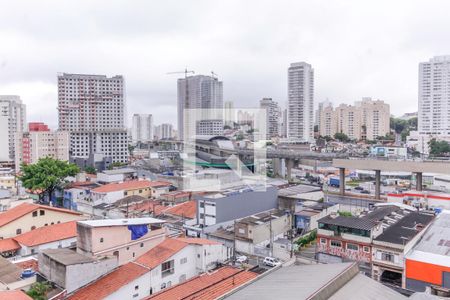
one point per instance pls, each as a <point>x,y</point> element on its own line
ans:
<point>271,235</point>
<point>234,242</point>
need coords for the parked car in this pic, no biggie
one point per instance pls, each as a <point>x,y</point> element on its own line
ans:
<point>365,192</point>
<point>271,261</point>
<point>241,259</point>
<point>359,188</point>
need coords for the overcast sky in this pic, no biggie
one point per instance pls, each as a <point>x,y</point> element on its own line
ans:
<point>356,49</point>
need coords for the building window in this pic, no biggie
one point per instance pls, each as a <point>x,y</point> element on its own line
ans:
<point>134,254</point>
<point>323,241</point>
<point>366,249</point>
<point>167,268</point>
<point>387,257</point>
<point>142,245</point>
<point>352,247</point>
<point>42,212</point>
<point>125,193</point>
<point>33,227</point>
<point>336,244</point>
<point>101,240</point>
<point>183,260</point>
<point>136,287</point>
<point>18,231</point>
<point>34,213</point>
<point>52,223</point>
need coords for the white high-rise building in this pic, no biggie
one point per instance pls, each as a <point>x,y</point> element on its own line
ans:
<point>228,115</point>
<point>164,131</point>
<point>200,92</point>
<point>12,121</point>
<point>142,128</point>
<point>92,109</point>
<point>272,117</point>
<point>434,96</point>
<point>301,102</point>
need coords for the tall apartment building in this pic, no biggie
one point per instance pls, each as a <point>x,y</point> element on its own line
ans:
<point>200,92</point>
<point>434,96</point>
<point>367,119</point>
<point>375,118</point>
<point>12,121</point>
<point>272,117</point>
<point>228,115</point>
<point>38,142</point>
<point>301,102</point>
<point>164,131</point>
<point>92,108</point>
<point>326,119</point>
<point>348,121</point>
<point>142,128</point>
<point>284,123</point>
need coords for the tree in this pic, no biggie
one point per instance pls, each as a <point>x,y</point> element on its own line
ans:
<point>90,170</point>
<point>341,137</point>
<point>45,176</point>
<point>438,148</point>
<point>116,164</point>
<point>38,290</point>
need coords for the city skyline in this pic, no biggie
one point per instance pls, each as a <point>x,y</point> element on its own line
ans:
<point>379,60</point>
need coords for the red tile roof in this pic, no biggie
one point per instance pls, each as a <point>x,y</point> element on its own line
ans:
<point>147,207</point>
<point>31,263</point>
<point>25,208</point>
<point>47,234</point>
<point>9,245</point>
<point>159,183</point>
<point>122,186</point>
<point>207,286</point>
<point>14,295</point>
<point>159,254</point>
<point>186,209</point>
<point>198,241</point>
<point>110,283</point>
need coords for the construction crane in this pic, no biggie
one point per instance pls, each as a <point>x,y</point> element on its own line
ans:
<point>186,71</point>
<point>214,75</point>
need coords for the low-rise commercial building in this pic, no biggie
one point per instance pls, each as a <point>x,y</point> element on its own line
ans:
<point>428,263</point>
<point>221,207</point>
<point>390,247</point>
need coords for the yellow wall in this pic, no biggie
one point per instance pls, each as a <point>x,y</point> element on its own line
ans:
<point>7,182</point>
<point>27,221</point>
<point>144,192</point>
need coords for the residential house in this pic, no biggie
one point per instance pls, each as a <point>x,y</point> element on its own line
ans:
<point>98,238</point>
<point>61,235</point>
<point>112,192</point>
<point>254,233</point>
<point>341,238</point>
<point>12,277</point>
<point>71,270</point>
<point>390,247</point>
<point>116,175</point>
<point>207,286</point>
<point>171,262</point>
<point>27,217</point>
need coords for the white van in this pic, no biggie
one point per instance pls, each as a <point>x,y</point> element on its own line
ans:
<point>271,261</point>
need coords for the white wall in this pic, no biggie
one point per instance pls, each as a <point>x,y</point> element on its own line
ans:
<point>128,291</point>
<point>52,245</point>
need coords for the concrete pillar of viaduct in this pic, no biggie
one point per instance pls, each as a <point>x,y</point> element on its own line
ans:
<point>419,181</point>
<point>289,166</point>
<point>377,184</point>
<point>342,181</point>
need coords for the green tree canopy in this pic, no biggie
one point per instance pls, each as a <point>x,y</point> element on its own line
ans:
<point>38,290</point>
<point>341,137</point>
<point>438,148</point>
<point>90,170</point>
<point>46,175</point>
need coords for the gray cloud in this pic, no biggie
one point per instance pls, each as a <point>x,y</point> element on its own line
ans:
<point>357,48</point>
